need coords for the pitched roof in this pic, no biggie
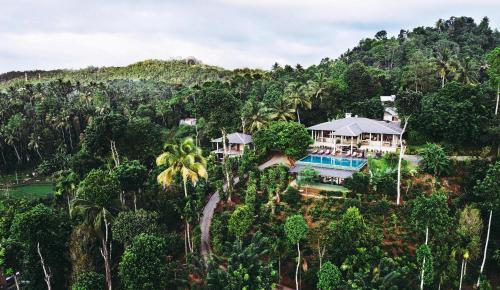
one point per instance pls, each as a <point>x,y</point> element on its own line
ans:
<point>325,171</point>
<point>391,110</point>
<point>236,138</point>
<point>354,126</point>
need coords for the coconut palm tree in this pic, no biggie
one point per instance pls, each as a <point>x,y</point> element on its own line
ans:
<point>255,116</point>
<point>297,95</point>
<point>186,159</point>
<point>282,110</point>
<point>317,85</point>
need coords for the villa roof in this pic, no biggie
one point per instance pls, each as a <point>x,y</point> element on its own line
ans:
<point>391,111</point>
<point>236,138</point>
<point>330,172</point>
<point>355,125</point>
<point>390,98</point>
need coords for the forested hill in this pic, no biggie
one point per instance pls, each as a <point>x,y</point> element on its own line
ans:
<point>186,71</point>
<point>444,77</point>
<point>454,49</point>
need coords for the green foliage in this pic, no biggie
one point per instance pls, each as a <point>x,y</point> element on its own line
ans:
<point>143,264</point>
<point>358,183</point>
<point>428,266</point>
<point>434,160</point>
<point>41,226</point>
<point>89,281</point>
<point>240,221</point>
<point>307,175</point>
<point>288,137</point>
<point>433,212</point>
<point>292,197</point>
<point>245,268</point>
<point>129,224</point>
<point>131,174</point>
<point>329,277</point>
<point>346,234</point>
<point>296,228</point>
<point>100,187</point>
<point>488,189</point>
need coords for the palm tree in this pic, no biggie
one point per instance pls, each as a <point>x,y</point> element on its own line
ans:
<point>186,159</point>
<point>255,116</point>
<point>446,63</point>
<point>296,94</point>
<point>317,85</point>
<point>100,218</point>
<point>282,110</point>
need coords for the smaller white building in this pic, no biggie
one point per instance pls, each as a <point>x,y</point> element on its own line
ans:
<point>386,99</point>
<point>235,145</point>
<point>391,115</point>
<point>188,122</point>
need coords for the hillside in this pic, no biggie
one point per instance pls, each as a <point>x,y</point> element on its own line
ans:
<point>173,72</point>
<point>130,196</point>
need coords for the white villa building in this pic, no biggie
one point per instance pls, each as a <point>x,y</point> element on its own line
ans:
<point>188,121</point>
<point>350,133</point>
<point>235,145</point>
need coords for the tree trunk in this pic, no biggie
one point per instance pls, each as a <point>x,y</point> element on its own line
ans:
<point>105,253</point>
<point>188,234</point>
<point>279,269</point>
<point>461,275</point>
<point>46,270</point>
<point>298,115</point>
<point>297,269</point>
<point>498,99</point>
<point>442,81</point>
<point>69,205</point>
<point>70,139</point>
<point>423,262</point>
<point>485,251</point>
<point>321,253</point>
<point>401,153</point>
<point>16,281</point>
<point>135,199</point>
<point>17,153</point>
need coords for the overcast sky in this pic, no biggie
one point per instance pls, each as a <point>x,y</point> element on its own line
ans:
<point>48,34</point>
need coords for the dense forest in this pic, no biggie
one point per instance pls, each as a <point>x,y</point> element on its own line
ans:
<point>130,183</point>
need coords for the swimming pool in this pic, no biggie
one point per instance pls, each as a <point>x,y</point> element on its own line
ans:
<point>333,162</point>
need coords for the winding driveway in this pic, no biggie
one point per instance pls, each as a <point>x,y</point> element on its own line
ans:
<point>209,209</point>
<point>206,220</point>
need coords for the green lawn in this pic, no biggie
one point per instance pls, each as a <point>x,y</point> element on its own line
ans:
<point>29,191</point>
<point>327,187</point>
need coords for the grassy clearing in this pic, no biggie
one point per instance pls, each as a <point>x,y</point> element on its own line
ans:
<point>28,191</point>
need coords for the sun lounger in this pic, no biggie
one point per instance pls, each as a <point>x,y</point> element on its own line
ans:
<point>348,154</point>
<point>320,151</point>
<point>314,151</point>
<point>334,153</point>
<point>327,152</point>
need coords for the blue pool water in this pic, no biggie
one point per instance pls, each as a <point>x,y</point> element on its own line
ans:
<point>333,162</point>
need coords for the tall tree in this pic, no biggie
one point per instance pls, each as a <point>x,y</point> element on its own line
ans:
<point>488,190</point>
<point>186,159</point>
<point>94,201</point>
<point>296,94</point>
<point>296,230</point>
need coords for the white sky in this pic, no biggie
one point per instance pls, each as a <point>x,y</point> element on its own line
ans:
<point>49,34</point>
